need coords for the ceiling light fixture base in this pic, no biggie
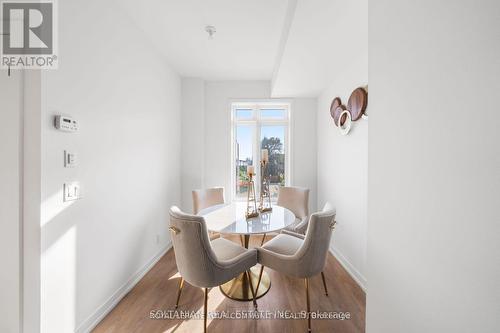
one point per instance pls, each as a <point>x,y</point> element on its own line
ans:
<point>210,29</point>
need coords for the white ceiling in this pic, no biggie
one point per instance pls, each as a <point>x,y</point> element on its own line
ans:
<point>245,46</point>
<point>324,39</point>
<point>300,45</point>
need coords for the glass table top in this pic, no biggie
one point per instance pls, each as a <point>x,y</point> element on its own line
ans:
<point>230,219</point>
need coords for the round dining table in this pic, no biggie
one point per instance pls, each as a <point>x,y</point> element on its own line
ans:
<point>229,219</point>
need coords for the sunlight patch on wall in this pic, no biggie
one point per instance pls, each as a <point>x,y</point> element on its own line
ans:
<point>58,287</point>
<point>53,206</point>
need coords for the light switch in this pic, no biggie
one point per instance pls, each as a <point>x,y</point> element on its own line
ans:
<point>71,191</point>
<point>69,159</point>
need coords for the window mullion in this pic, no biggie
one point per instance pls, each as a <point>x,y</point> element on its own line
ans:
<point>257,148</point>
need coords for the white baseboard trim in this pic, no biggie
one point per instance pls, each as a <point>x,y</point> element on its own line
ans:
<point>91,322</point>
<point>353,272</point>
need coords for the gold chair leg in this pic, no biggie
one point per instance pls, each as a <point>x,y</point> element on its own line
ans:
<point>324,283</point>
<point>263,239</point>
<point>205,311</point>
<point>260,277</point>
<point>179,291</point>
<point>251,288</point>
<point>308,306</point>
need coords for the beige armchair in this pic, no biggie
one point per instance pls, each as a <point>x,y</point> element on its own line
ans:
<point>296,199</point>
<point>207,198</point>
<point>298,255</point>
<point>204,263</point>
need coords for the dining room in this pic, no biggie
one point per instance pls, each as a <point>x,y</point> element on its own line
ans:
<point>251,174</point>
<point>249,166</point>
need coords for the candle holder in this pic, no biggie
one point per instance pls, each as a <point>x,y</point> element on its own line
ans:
<point>251,198</point>
<point>265,194</point>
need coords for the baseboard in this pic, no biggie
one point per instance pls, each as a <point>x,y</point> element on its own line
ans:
<point>91,322</point>
<point>353,272</point>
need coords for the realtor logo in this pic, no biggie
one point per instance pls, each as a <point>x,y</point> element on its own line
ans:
<point>28,31</point>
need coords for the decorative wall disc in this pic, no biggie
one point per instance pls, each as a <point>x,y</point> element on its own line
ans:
<point>336,114</point>
<point>335,104</point>
<point>357,103</point>
<point>345,122</point>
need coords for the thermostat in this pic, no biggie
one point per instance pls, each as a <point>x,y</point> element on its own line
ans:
<point>66,124</point>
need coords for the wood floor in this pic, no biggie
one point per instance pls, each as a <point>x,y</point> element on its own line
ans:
<point>158,291</point>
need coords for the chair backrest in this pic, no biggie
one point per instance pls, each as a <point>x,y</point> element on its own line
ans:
<point>194,256</point>
<point>295,199</point>
<point>312,253</point>
<point>207,198</point>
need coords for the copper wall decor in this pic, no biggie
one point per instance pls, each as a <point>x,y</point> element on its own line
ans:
<point>335,104</point>
<point>337,112</point>
<point>357,103</point>
<point>356,107</point>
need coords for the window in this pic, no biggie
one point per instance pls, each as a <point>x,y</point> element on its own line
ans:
<point>256,127</point>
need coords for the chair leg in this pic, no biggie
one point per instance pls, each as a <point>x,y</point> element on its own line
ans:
<point>260,277</point>
<point>308,306</point>
<point>263,239</point>
<point>179,291</point>
<point>324,283</point>
<point>251,288</point>
<point>205,311</point>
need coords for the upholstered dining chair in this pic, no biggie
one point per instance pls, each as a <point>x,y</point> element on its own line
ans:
<point>205,198</point>
<point>296,199</point>
<point>204,263</point>
<point>301,256</point>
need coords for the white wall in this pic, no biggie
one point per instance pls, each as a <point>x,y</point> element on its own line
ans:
<point>304,147</point>
<point>32,152</point>
<point>434,157</point>
<point>343,160</point>
<point>127,101</point>
<point>343,171</point>
<point>20,201</point>
<point>10,193</point>
<point>193,138</point>
<point>207,136</point>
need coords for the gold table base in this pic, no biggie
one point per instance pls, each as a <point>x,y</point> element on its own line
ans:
<point>239,289</point>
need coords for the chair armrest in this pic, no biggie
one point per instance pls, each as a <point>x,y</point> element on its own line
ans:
<point>248,256</point>
<point>294,234</point>
<point>285,264</point>
<point>264,255</point>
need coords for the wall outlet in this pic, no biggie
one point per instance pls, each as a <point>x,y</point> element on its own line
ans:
<point>69,159</point>
<point>71,191</point>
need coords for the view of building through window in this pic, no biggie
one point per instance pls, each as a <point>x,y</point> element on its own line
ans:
<point>258,127</point>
